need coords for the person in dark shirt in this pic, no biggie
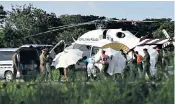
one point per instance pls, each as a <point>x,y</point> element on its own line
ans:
<point>123,54</point>
<point>48,66</point>
<point>146,64</point>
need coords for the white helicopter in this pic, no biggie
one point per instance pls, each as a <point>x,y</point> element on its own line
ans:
<point>114,38</point>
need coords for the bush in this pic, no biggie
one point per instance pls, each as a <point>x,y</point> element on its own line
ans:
<point>98,92</point>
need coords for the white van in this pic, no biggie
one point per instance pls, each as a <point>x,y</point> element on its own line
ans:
<point>6,63</point>
<point>28,57</point>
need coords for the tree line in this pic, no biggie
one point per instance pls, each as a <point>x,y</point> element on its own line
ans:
<point>27,20</point>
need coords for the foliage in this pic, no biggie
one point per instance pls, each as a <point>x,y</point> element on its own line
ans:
<point>99,92</point>
<point>26,20</point>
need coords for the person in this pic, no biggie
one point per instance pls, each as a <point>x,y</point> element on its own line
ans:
<point>166,62</point>
<point>133,65</point>
<point>15,64</point>
<point>146,64</point>
<point>48,66</point>
<point>61,72</point>
<point>123,54</point>
<point>90,67</point>
<point>158,64</point>
<point>64,78</point>
<point>105,64</point>
<point>43,65</point>
<point>139,63</point>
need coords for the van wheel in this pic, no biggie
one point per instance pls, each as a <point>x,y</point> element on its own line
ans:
<point>8,76</point>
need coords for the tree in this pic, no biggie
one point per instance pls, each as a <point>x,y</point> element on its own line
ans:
<point>2,16</point>
<point>168,26</point>
<point>24,21</point>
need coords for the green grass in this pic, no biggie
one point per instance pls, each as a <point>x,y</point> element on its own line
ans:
<point>108,91</point>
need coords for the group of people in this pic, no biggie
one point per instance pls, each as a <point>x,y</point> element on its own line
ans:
<point>91,69</point>
<point>138,65</point>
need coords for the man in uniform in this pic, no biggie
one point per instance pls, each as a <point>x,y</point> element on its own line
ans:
<point>166,62</point>
<point>158,63</point>
<point>15,64</point>
<point>146,64</point>
<point>43,64</point>
<point>123,54</point>
<point>48,67</point>
<point>133,66</point>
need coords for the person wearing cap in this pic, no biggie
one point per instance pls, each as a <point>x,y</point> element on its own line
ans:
<point>104,58</point>
<point>146,64</point>
<point>43,64</point>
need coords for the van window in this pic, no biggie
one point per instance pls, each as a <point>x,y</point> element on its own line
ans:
<point>6,55</point>
<point>26,56</point>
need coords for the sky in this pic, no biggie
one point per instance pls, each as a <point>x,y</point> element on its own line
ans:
<point>132,10</point>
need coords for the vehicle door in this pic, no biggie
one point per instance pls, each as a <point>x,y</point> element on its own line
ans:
<point>86,52</point>
<point>59,47</point>
<point>29,60</point>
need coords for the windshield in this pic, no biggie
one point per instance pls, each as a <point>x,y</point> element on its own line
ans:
<point>6,55</point>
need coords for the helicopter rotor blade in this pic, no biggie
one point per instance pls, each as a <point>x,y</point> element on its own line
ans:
<point>53,29</point>
<point>79,24</point>
<point>58,28</point>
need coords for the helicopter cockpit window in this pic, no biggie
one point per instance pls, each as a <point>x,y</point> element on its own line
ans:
<point>120,35</point>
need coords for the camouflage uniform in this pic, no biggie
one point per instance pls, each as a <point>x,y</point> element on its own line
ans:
<point>48,67</point>
<point>165,63</point>
<point>133,67</point>
<point>146,65</point>
<point>159,64</point>
<point>43,70</point>
<point>15,64</point>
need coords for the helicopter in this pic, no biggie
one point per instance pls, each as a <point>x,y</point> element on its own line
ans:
<point>118,39</point>
<point>102,36</point>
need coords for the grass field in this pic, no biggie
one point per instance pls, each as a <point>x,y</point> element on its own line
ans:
<point>109,91</point>
<point>113,90</point>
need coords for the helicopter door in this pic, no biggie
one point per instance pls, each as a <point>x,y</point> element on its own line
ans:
<point>59,47</point>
